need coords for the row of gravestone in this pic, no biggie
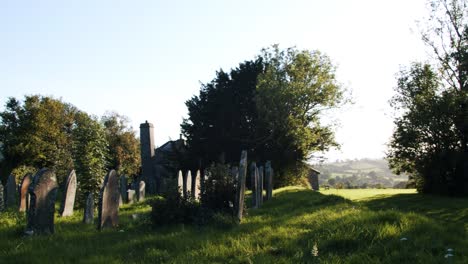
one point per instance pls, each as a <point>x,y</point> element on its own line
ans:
<point>38,194</point>
<point>190,186</point>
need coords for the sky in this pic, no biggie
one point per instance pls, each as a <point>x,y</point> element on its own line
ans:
<point>144,59</point>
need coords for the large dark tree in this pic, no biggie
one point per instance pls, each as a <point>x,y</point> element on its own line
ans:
<point>270,107</point>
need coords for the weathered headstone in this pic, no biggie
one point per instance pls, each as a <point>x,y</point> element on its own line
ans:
<point>42,191</point>
<point>196,186</point>
<point>2,203</point>
<point>241,186</point>
<point>180,183</point>
<point>24,195</point>
<point>268,180</point>
<point>10,192</point>
<point>131,196</point>
<point>88,216</point>
<point>68,201</point>
<point>254,184</point>
<point>141,191</point>
<point>260,186</point>
<point>108,212</point>
<point>123,188</point>
<point>188,184</point>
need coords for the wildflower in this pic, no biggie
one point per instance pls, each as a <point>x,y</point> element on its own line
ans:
<point>315,251</point>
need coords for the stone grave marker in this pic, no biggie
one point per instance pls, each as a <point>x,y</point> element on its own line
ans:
<point>268,180</point>
<point>10,192</point>
<point>42,192</point>
<point>131,196</point>
<point>123,188</point>
<point>108,211</point>
<point>254,184</point>
<point>188,184</point>
<point>68,201</point>
<point>88,216</point>
<point>24,195</point>
<point>180,182</point>
<point>260,186</point>
<point>196,186</point>
<point>141,191</point>
<point>241,186</point>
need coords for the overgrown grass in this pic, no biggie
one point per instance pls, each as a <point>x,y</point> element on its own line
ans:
<point>298,226</point>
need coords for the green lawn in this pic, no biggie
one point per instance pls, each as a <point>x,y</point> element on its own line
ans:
<point>298,226</point>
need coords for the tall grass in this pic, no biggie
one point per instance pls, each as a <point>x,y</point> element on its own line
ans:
<point>297,226</point>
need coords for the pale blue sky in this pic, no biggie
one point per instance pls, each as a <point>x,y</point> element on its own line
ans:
<point>144,59</point>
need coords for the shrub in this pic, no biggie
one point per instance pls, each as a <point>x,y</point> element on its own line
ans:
<point>220,189</point>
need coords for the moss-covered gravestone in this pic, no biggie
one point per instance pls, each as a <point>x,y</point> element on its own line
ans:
<point>88,216</point>
<point>24,195</point>
<point>68,201</point>
<point>10,192</point>
<point>240,192</point>
<point>42,192</point>
<point>108,212</point>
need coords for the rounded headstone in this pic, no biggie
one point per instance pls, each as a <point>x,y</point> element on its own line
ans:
<point>108,213</point>
<point>68,201</point>
<point>24,195</point>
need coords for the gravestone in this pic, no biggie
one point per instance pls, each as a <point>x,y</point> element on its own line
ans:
<point>10,192</point>
<point>42,192</point>
<point>268,180</point>
<point>260,186</point>
<point>254,184</point>
<point>196,186</point>
<point>88,216</point>
<point>141,191</point>
<point>240,192</point>
<point>68,201</point>
<point>123,188</point>
<point>2,204</point>
<point>108,211</point>
<point>131,196</point>
<point>188,184</point>
<point>24,195</point>
<point>180,183</point>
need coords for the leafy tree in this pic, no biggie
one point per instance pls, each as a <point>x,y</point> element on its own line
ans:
<point>124,147</point>
<point>431,138</point>
<point>89,154</point>
<point>270,106</point>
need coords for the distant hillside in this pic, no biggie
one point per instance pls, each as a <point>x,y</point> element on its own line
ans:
<point>361,173</point>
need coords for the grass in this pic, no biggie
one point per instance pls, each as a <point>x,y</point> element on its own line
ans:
<point>298,226</point>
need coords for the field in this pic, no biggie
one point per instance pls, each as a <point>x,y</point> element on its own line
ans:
<point>298,226</point>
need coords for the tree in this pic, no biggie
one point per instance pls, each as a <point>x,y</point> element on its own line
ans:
<point>89,154</point>
<point>270,106</point>
<point>431,138</point>
<point>124,147</point>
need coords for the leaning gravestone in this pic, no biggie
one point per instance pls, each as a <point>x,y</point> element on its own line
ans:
<point>131,196</point>
<point>108,212</point>
<point>2,204</point>
<point>69,195</point>
<point>188,184</point>
<point>260,186</point>
<point>254,184</point>
<point>42,192</point>
<point>196,186</point>
<point>10,192</point>
<point>24,195</point>
<point>268,180</point>
<point>123,188</point>
<point>180,183</point>
<point>141,191</point>
<point>88,216</point>
<point>241,186</point>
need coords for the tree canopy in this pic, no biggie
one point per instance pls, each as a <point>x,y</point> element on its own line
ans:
<point>269,106</point>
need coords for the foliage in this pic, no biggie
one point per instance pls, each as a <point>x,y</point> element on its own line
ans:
<point>89,154</point>
<point>219,192</point>
<point>175,209</point>
<point>37,133</point>
<point>431,137</point>
<point>124,147</point>
<point>382,227</point>
<point>270,106</point>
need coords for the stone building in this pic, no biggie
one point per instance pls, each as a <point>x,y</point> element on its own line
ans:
<point>159,164</point>
<point>313,178</point>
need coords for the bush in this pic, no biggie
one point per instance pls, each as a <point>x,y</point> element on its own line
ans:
<point>174,209</point>
<point>219,193</point>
